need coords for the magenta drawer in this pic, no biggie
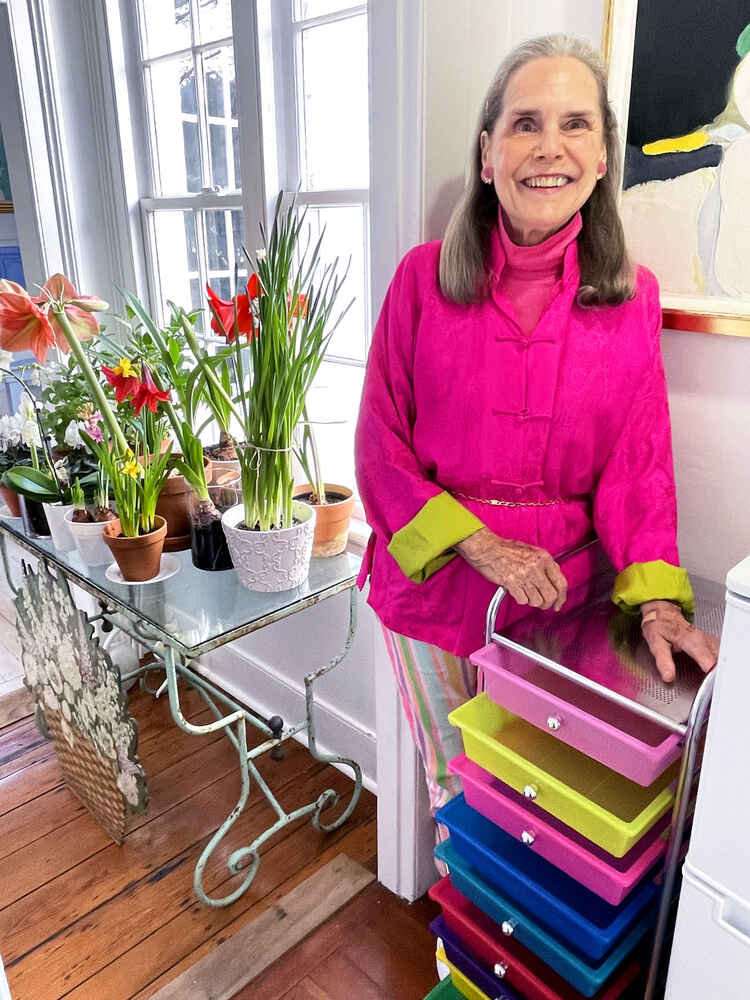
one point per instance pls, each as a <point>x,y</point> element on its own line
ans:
<point>609,877</point>
<point>616,737</point>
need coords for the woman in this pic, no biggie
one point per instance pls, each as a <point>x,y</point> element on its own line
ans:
<point>515,402</point>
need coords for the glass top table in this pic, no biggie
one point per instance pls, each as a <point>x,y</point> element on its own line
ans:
<point>193,610</point>
<point>180,617</point>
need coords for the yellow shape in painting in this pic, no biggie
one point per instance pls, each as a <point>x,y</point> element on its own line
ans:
<point>682,144</point>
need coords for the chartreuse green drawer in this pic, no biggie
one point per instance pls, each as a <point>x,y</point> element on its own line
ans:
<point>602,805</point>
<point>444,990</point>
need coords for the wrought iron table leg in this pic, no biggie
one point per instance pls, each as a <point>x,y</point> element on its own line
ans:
<point>6,567</point>
<point>310,679</point>
<point>693,733</point>
<point>235,726</point>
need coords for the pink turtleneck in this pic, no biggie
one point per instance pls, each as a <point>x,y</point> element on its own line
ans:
<point>530,274</point>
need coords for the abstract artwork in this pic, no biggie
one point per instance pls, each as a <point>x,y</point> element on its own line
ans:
<point>680,85</point>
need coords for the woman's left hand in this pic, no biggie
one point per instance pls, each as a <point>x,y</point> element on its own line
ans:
<point>665,629</point>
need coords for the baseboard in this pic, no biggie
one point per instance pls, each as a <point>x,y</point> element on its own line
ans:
<point>258,684</point>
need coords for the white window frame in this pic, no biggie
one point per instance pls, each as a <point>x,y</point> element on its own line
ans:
<point>287,35</point>
<point>133,105</point>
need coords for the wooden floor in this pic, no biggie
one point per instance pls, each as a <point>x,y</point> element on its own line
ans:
<point>84,919</point>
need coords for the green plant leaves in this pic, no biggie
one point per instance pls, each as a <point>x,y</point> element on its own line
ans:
<point>32,483</point>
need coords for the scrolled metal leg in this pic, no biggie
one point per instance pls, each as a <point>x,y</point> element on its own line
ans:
<point>236,719</point>
<point>6,567</point>
<point>329,797</point>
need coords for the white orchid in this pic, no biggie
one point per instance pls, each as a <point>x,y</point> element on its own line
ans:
<point>73,437</point>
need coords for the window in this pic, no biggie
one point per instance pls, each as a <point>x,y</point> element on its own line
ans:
<point>325,125</point>
<point>190,107</point>
<point>193,219</point>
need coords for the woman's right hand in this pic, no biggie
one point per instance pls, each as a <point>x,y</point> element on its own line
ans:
<point>529,574</point>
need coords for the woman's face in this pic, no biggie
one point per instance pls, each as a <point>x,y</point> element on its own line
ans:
<point>547,149</point>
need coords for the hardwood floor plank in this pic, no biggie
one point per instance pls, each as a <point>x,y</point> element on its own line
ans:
<point>354,841</point>
<point>306,989</point>
<point>63,848</point>
<point>340,979</point>
<point>16,705</point>
<point>251,949</point>
<point>289,970</point>
<point>34,819</point>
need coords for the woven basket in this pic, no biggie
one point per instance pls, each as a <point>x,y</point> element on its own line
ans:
<point>92,780</point>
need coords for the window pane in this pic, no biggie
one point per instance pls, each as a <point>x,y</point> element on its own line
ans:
<point>344,237</point>
<point>215,18</point>
<point>175,257</point>
<point>225,234</point>
<point>216,241</point>
<point>333,397</point>
<point>334,118</point>
<point>217,137</point>
<point>166,26</point>
<point>177,153</point>
<point>317,8</point>
<point>218,68</point>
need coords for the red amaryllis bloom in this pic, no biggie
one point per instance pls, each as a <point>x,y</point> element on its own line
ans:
<point>147,393</point>
<point>123,378</point>
<point>253,287</point>
<point>223,320</point>
<point>28,323</point>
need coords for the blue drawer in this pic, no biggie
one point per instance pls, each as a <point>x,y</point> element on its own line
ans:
<point>586,978</point>
<point>586,922</point>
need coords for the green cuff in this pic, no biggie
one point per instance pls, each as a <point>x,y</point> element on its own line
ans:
<point>653,581</point>
<point>420,547</point>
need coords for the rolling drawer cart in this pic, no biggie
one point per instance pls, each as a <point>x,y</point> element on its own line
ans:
<point>577,756</point>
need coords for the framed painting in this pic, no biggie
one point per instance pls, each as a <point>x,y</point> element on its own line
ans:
<point>6,202</point>
<point>680,86</point>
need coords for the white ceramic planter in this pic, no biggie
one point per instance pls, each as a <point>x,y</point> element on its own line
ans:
<point>92,548</point>
<point>271,560</point>
<point>59,529</point>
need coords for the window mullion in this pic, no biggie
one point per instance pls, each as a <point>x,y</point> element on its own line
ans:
<point>199,216</point>
<point>200,97</point>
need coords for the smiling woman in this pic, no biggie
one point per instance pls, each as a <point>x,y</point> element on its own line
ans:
<point>515,402</point>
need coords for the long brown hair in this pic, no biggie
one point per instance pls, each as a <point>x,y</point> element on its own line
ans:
<point>606,272</point>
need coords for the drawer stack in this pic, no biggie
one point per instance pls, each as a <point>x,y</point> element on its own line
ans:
<point>557,840</point>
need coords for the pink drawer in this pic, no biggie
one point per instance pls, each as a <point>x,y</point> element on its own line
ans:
<point>618,738</point>
<point>609,877</point>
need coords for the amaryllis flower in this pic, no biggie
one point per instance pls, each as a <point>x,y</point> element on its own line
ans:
<point>28,323</point>
<point>147,394</point>
<point>123,378</point>
<point>223,319</point>
<point>300,307</point>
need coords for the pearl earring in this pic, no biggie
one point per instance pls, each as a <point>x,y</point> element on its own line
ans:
<point>487,176</point>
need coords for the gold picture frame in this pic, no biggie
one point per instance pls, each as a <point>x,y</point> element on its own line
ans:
<point>702,313</point>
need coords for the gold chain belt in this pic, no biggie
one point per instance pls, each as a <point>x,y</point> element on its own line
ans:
<point>514,503</point>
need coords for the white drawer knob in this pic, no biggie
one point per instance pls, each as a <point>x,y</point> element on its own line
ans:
<point>507,927</point>
<point>529,791</point>
<point>528,838</point>
<point>554,722</point>
<point>500,969</point>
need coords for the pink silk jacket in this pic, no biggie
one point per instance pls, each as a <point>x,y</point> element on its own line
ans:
<point>573,416</point>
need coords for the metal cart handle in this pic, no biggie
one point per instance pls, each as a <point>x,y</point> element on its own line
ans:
<point>499,595</point>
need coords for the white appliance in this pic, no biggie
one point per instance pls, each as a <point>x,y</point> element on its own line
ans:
<point>711,951</point>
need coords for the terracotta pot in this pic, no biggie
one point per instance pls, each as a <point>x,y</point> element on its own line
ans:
<point>174,506</point>
<point>11,498</point>
<point>138,558</point>
<point>331,519</point>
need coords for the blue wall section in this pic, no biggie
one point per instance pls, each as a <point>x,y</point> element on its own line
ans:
<point>10,264</point>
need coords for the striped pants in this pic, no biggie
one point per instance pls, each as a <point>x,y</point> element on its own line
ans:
<point>431,684</point>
